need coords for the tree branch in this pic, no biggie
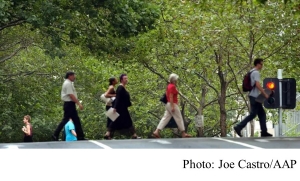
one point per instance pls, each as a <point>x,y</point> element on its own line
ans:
<point>154,115</point>
<point>13,23</point>
<point>236,83</point>
<point>280,47</point>
<point>207,82</point>
<point>216,100</point>
<point>11,55</point>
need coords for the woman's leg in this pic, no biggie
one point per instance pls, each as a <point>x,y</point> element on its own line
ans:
<point>178,119</point>
<point>133,132</point>
<point>163,122</point>
<point>107,135</point>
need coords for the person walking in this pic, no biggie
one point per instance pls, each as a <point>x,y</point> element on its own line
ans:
<point>256,107</point>
<point>69,96</point>
<point>172,109</point>
<point>70,131</point>
<point>27,129</point>
<point>120,105</point>
<point>110,93</point>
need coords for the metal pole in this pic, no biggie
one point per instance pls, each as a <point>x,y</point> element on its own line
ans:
<point>279,76</point>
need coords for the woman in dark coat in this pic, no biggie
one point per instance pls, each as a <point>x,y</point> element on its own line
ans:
<point>120,105</point>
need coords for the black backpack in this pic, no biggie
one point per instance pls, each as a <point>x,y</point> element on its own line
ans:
<point>247,82</point>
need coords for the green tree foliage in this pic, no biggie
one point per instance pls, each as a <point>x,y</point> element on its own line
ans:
<point>96,25</point>
<point>209,44</point>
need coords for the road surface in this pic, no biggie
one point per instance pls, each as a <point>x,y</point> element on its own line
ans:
<point>178,143</point>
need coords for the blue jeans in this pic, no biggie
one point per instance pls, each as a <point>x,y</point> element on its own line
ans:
<point>256,109</point>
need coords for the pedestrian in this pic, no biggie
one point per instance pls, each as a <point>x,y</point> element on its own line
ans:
<point>27,129</point>
<point>256,108</point>
<point>172,109</point>
<point>120,105</point>
<point>69,96</point>
<point>70,131</point>
<point>110,93</point>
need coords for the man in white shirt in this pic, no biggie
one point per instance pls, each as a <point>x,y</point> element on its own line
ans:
<point>69,96</point>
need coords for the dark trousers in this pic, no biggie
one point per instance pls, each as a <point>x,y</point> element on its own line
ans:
<point>28,139</point>
<point>70,112</point>
<point>256,109</point>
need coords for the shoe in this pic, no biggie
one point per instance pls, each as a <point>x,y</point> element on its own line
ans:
<point>186,136</point>
<point>237,131</point>
<point>155,135</point>
<point>266,134</point>
<point>54,138</point>
<point>106,137</point>
<point>136,137</point>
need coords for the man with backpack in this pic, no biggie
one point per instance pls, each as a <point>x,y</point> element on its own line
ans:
<point>251,84</point>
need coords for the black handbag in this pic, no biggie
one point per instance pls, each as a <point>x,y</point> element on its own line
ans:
<point>163,99</point>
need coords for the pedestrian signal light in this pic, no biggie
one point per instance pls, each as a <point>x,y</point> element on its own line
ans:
<point>271,85</point>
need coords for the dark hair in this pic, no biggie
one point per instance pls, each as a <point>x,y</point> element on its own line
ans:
<point>111,80</point>
<point>69,73</point>
<point>121,77</point>
<point>258,61</point>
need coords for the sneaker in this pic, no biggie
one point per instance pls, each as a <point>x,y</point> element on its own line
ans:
<point>237,130</point>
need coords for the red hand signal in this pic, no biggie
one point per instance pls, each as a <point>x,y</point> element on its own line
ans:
<point>271,85</point>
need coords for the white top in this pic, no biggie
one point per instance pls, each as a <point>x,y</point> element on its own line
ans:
<point>67,89</point>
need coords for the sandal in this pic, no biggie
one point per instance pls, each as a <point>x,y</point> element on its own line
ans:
<point>107,137</point>
<point>135,137</point>
<point>155,135</point>
<point>186,136</point>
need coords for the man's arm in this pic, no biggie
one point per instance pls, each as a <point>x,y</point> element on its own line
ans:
<point>256,77</point>
<point>257,84</point>
<point>74,99</point>
<point>69,91</point>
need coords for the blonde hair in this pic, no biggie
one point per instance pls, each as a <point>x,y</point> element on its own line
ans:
<point>173,77</point>
<point>27,117</point>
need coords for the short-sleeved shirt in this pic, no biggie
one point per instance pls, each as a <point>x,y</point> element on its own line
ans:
<point>171,89</point>
<point>68,128</point>
<point>67,89</point>
<point>255,77</point>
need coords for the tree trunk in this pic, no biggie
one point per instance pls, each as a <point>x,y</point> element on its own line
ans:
<point>199,119</point>
<point>222,96</point>
<point>223,114</point>
<point>252,124</point>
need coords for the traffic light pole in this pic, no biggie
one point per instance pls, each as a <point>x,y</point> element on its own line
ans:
<point>279,76</point>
